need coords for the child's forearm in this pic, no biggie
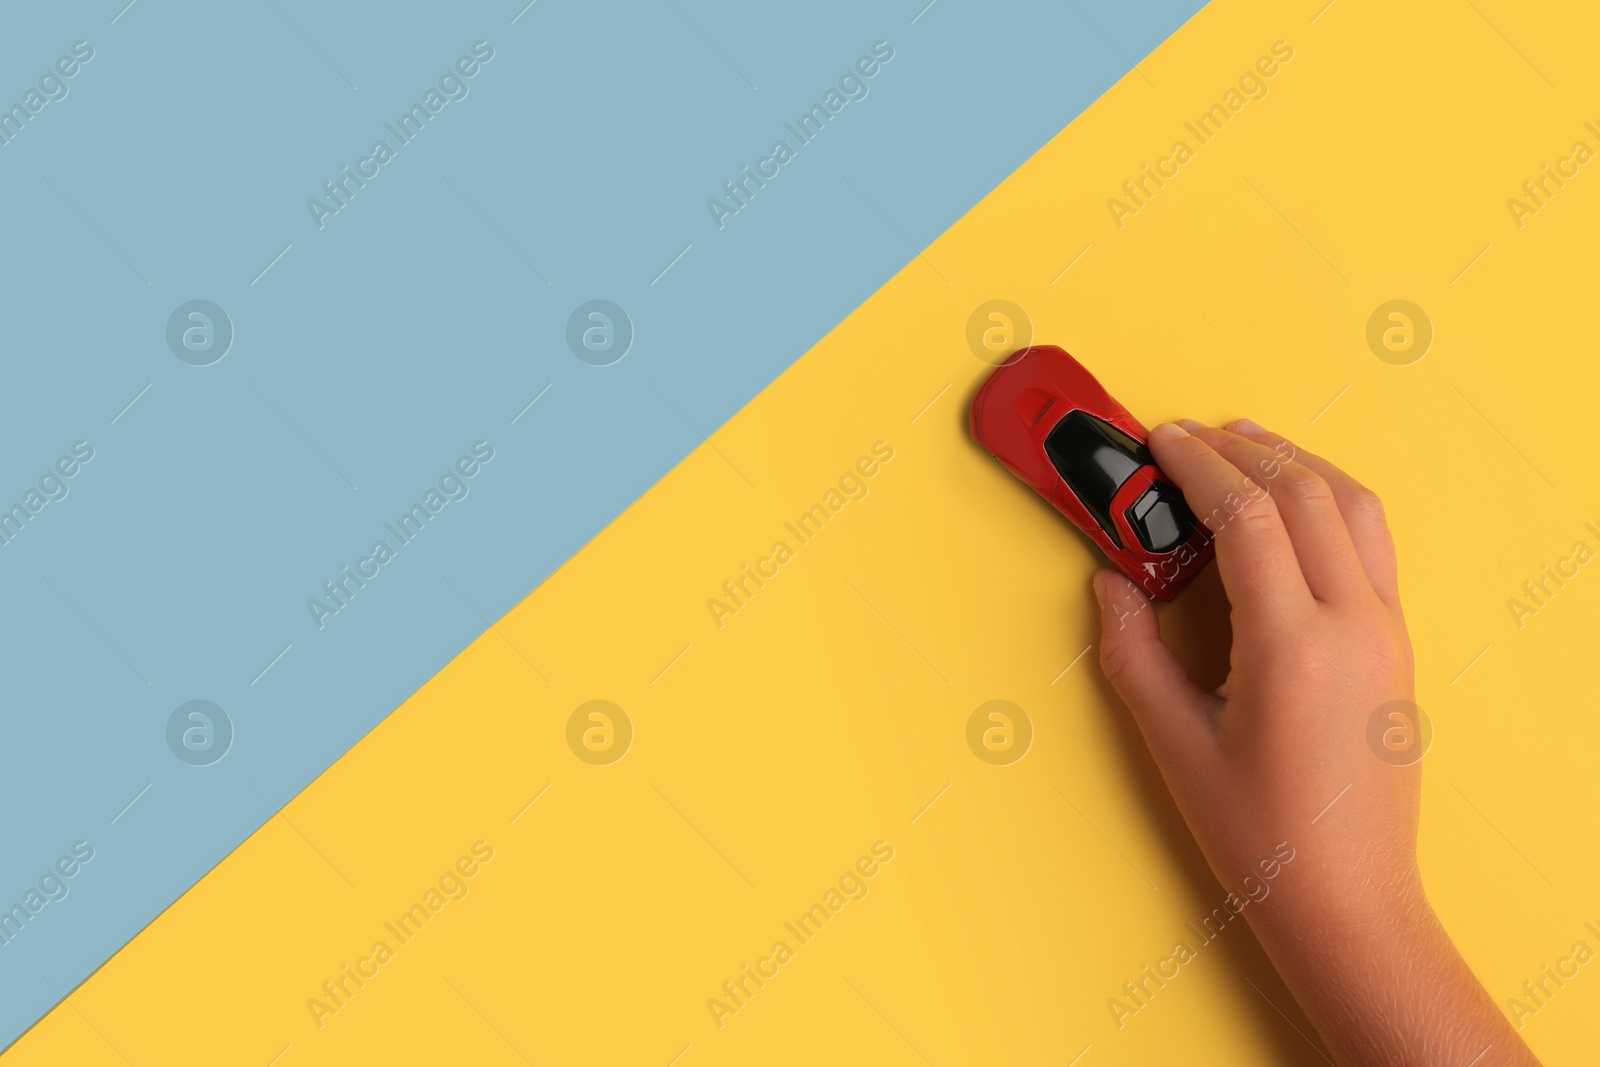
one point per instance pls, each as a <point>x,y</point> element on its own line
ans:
<point>1380,978</point>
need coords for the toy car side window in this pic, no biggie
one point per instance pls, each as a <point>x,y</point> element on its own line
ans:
<point>1095,458</point>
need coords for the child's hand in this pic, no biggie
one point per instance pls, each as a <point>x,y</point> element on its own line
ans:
<point>1318,645</point>
<point>1278,758</point>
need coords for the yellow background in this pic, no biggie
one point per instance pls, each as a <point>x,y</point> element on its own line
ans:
<point>828,713</point>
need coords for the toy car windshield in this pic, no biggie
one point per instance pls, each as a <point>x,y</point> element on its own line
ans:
<point>1096,459</point>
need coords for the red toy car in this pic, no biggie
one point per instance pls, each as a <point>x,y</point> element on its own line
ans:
<point>1046,418</point>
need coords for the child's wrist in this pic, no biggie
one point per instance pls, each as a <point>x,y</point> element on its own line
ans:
<point>1371,908</point>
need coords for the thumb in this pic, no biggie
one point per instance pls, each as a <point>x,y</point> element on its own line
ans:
<point>1172,712</point>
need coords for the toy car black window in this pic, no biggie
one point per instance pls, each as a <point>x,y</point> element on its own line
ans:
<point>1161,518</point>
<point>1095,458</point>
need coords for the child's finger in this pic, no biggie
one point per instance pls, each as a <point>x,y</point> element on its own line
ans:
<point>1172,712</point>
<point>1254,554</point>
<point>1360,507</point>
<point>1310,513</point>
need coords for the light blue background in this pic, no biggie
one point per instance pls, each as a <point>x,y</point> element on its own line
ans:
<point>397,336</point>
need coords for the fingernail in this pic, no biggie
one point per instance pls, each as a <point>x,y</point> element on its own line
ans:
<point>1099,589</point>
<point>1191,424</point>
<point>1246,426</point>
<point>1167,429</point>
